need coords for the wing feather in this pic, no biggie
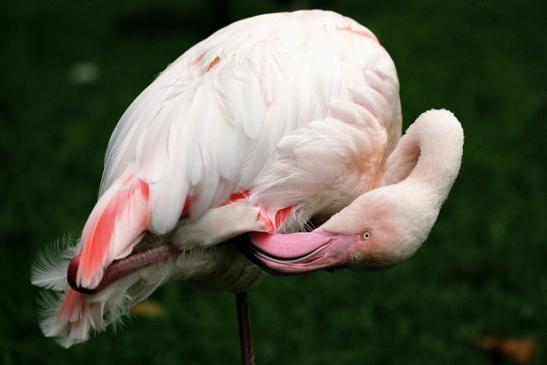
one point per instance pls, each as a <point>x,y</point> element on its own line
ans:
<point>209,124</point>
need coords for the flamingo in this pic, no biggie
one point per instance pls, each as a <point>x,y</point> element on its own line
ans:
<point>273,146</point>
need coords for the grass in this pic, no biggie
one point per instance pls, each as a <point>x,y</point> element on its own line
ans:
<point>482,271</point>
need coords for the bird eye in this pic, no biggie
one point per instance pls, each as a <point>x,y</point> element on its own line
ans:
<point>366,235</point>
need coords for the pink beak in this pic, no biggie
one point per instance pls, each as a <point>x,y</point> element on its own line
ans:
<point>295,253</point>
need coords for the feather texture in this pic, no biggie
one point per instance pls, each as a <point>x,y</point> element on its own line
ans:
<point>209,124</point>
<point>291,112</point>
<point>50,266</point>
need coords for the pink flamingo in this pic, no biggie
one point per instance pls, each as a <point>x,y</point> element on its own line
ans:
<point>272,126</point>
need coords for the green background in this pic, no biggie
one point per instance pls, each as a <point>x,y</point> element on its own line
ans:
<point>482,271</point>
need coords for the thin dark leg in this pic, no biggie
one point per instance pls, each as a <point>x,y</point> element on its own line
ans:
<point>245,331</point>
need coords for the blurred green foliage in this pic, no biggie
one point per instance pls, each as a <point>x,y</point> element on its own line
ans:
<point>481,273</point>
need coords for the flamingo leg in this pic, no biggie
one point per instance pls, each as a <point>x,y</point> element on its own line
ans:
<point>245,330</point>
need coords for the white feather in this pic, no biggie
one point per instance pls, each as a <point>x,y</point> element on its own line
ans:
<point>50,266</point>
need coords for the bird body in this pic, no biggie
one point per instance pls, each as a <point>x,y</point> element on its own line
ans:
<point>271,125</point>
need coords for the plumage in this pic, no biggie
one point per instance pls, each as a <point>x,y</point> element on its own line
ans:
<point>271,125</point>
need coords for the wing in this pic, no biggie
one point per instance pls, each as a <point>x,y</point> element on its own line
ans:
<point>322,167</point>
<point>207,125</point>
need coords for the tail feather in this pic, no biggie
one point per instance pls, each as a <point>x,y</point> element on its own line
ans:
<point>119,218</point>
<point>71,317</point>
<point>65,318</point>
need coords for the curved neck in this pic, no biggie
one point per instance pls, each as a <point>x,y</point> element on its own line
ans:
<point>428,154</point>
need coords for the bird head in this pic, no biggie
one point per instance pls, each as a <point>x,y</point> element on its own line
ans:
<point>379,229</point>
<point>388,224</point>
<point>384,226</point>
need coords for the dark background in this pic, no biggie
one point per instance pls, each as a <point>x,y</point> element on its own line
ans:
<point>69,70</point>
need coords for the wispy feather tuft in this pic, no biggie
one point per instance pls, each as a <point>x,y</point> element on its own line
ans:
<point>70,317</point>
<point>50,266</point>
